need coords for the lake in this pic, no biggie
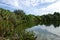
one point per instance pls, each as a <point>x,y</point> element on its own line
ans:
<point>44,32</point>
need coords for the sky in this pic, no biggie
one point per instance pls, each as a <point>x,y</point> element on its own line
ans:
<point>35,7</point>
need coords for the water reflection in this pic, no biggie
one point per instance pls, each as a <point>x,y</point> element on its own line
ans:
<point>48,23</point>
<point>44,32</point>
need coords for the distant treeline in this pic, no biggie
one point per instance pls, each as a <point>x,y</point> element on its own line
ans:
<point>51,19</point>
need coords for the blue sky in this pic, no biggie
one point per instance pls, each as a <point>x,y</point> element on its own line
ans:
<point>35,7</point>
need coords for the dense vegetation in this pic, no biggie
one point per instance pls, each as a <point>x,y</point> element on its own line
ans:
<point>50,19</point>
<point>13,24</point>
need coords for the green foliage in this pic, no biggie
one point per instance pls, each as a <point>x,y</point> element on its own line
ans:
<point>13,24</point>
<point>50,19</point>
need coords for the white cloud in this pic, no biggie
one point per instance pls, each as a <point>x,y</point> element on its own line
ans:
<point>11,2</point>
<point>26,2</point>
<point>47,1</point>
<point>35,2</point>
<point>55,7</point>
<point>29,3</point>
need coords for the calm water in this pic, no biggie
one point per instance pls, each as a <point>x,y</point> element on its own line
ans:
<point>46,32</point>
